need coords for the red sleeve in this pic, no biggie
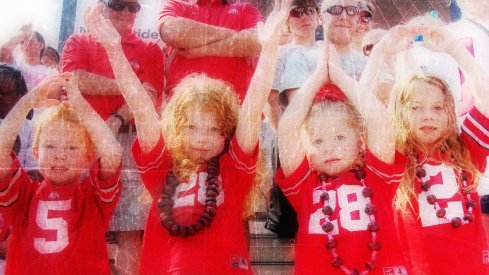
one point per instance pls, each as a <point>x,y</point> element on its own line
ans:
<point>107,192</point>
<point>251,16</point>
<point>292,186</point>
<point>13,193</point>
<point>152,67</point>
<point>243,161</point>
<point>172,8</point>
<point>74,54</point>
<point>390,173</point>
<point>152,166</point>
<point>475,137</point>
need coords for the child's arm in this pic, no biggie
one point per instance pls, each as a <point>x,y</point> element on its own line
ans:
<point>291,150</point>
<point>477,78</point>
<point>145,116</point>
<point>41,95</point>
<point>108,149</point>
<point>248,128</point>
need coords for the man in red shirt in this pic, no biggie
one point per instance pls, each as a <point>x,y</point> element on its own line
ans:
<point>83,55</point>
<point>211,37</point>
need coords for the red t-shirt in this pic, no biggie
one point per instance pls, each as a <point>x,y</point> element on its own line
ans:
<point>219,249</point>
<point>432,244</point>
<point>58,229</point>
<point>303,189</point>
<point>235,70</point>
<point>83,52</point>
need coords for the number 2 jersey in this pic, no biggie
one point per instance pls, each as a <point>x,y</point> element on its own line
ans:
<point>303,189</point>
<point>434,246</point>
<point>218,249</point>
<point>57,229</point>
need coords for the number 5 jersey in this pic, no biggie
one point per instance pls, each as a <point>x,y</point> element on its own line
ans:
<point>57,229</point>
<point>303,188</point>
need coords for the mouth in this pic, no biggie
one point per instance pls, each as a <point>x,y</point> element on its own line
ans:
<point>331,161</point>
<point>428,129</point>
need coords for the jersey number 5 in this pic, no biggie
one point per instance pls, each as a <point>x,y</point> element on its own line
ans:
<point>57,224</point>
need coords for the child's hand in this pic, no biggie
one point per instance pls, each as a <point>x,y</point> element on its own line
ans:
<point>270,32</point>
<point>398,39</point>
<point>101,27</point>
<point>48,92</point>
<point>323,62</point>
<point>440,40</point>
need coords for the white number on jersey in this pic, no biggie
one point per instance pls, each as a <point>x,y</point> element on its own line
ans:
<point>57,224</point>
<point>189,200</point>
<point>443,186</point>
<point>351,202</point>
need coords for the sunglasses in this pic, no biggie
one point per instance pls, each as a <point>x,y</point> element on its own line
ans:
<point>132,7</point>
<point>337,10</point>
<point>366,16</point>
<point>300,11</point>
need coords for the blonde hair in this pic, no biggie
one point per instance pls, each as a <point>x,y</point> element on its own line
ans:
<point>353,119</point>
<point>210,95</point>
<point>67,114</point>
<point>450,143</point>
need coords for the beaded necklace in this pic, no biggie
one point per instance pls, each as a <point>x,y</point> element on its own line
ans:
<point>328,226</point>
<point>470,204</point>
<point>165,203</point>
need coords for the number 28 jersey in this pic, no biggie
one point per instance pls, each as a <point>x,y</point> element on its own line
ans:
<point>57,229</point>
<point>303,189</point>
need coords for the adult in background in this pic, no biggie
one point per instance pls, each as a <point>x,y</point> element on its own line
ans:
<point>340,22</point>
<point>83,55</point>
<point>213,37</point>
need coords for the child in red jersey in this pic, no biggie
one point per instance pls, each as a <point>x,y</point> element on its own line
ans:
<point>439,218</point>
<point>58,225</point>
<point>201,165</point>
<point>342,192</point>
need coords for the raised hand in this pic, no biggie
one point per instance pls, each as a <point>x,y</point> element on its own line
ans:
<point>440,40</point>
<point>101,27</point>
<point>269,33</point>
<point>48,92</point>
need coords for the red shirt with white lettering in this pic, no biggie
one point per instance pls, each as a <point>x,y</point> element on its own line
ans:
<point>218,249</point>
<point>58,229</point>
<point>237,16</point>
<point>303,189</point>
<point>433,245</point>
<point>83,52</point>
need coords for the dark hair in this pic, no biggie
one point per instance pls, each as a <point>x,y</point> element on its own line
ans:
<point>40,38</point>
<point>11,80</point>
<point>54,51</point>
<point>305,3</point>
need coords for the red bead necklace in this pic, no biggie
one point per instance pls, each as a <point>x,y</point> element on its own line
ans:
<point>328,226</point>
<point>165,203</point>
<point>470,204</point>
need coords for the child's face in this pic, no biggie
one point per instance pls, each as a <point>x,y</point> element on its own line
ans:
<point>62,154</point>
<point>333,145</point>
<point>428,117</point>
<point>202,135</point>
<point>304,26</point>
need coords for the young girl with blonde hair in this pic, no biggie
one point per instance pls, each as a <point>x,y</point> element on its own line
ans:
<point>340,183</point>
<point>59,224</point>
<point>437,202</point>
<point>201,165</point>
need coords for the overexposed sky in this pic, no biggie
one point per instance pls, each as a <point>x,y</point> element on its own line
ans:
<point>44,15</point>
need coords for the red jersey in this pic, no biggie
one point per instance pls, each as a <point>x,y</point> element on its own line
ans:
<point>303,189</point>
<point>58,229</point>
<point>83,52</point>
<point>235,70</point>
<point>434,246</point>
<point>219,249</point>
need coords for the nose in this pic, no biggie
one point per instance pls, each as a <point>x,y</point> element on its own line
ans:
<point>60,153</point>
